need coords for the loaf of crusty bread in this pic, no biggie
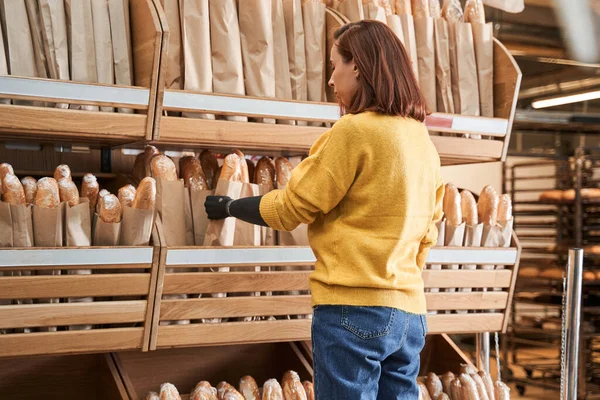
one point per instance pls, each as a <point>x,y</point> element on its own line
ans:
<point>231,169</point>
<point>423,393</point>
<point>67,190</point>
<point>145,195</point>
<point>589,276</point>
<point>190,170</point>
<point>481,390</point>
<point>62,172</point>
<point>101,195</point>
<point>529,272</point>
<point>222,387</point>
<point>292,386</point>
<point>168,391</point>
<point>110,209</point>
<point>403,7</point>
<point>5,169</point>
<point>447,380</point>
<point>590,193</point>
<point>488,383</point>
<point>467,369</point>
<point>249,388</point>
<point>501,391</point>
<point>265,173</point>
<point>272,390</point>
<point>434,385</point>
<point>435,10</point>
<point>90,190</point>
<point>141,166</point>
<point>568,195</point>
<point>474,11</point>
<point>551,195</point>
<point>283,171</point>
<point>47,193</point>
<point>149,153</point>
<point>469,388</point>
<point>204,391</point>
<point>552,273</point>
<point>152,396</point>
<point>13,190</point>
<point>468,207</point>
<point>456,391</point>
<point>232,394</point>
<point>504,208</point>
<point>162,167</point>
<point>243,166</point>
<point>452,11</point>
<point>126,196</point>
<point>487,206</point>
<point>452,205</point>
<point>30,187</point>
<point>309,389</point>
<point>443,396</point>
<point>420,8</point>
<point>210,166</point>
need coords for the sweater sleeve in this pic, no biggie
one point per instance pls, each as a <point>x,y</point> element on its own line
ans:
<point>432,233</point>
<point>318,183</point>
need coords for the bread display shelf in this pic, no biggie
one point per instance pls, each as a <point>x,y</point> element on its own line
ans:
<point>189,277</point>
<point>48,123</point>
<point>122,283</point>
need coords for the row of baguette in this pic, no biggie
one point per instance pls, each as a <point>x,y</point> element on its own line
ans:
<point>469,384</point>
<point>291,388</point>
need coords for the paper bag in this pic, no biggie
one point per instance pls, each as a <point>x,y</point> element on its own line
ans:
<point>106,234</point>
<point>174,73</point>
<point>195,29</point>
<point>511,6</point>
<point>77,223</point>
<point>22,226</point>
<point>189,219</point>
<point>256,34</point>
<point>410,41</point>
<point>103,45</point>
<point>463,68</point>
<point>374,12</point>
<point>198,197</point>
<point>314,33</point>
<point>294,30</point>
<point>352,9</point>
<point>33,14</point>
<point>3,64</point>
<point>473,235</point>
<point>136,227</point>
<point>453,237</point>
<point>226,49</point>
<point>426,60</point>
<point>170,204</point>
<point>6,233</point>
<point>445,102</point>
<point>395,24</point>
<point>121,41</point>
<point>81,44</point>
<point>283,83</point>
<point>297,237</point>
<point>441,228</point>
<point>483,35</point>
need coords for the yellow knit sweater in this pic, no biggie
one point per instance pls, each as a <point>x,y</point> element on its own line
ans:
<point>371,192</point>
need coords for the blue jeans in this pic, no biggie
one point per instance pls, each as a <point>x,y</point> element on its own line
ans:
<point>366,353</point>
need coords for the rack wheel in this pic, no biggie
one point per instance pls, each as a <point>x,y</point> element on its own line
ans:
<point>521,390</point>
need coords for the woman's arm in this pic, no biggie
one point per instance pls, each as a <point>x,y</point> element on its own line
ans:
<point>246,209</point>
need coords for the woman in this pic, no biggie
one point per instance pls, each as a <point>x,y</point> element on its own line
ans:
<point>371,193</point>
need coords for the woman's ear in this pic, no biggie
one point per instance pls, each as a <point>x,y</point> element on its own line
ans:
<point>355,69</point>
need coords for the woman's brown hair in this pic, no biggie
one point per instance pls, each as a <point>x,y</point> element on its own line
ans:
<point>387,84</point>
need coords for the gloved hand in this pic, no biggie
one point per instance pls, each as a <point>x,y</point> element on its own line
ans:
<point>216,206</point>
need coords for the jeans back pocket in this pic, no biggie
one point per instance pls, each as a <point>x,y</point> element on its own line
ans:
<point>368,322</point>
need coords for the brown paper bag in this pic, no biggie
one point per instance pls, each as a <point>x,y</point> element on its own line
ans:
<point>198,197</point>
<point>6,233</point>
<point>283,83</point>
<point>22,226</point>
<point>103,45</point>
<point>78,227</point>
<point>441,228</point>
<point>256,34</point>
<point>33,14</point>
<point>465,89</point>
<point>410,41</point>
<point>174,74</point>
<point>121,41</point>
<point>313,12</point>
<point>473,235</point>
<point>352,9</point>
<point>499,235</point>
<point>82,50</point>
<point>445,102</point>
<point>170,204</point>
<point>136,227</point>
<point>374,12</point>
<point>195,29</point>
<point>106,234</point>
<point>226,49</point>
<point>294,29</point>
<point>426,60</point>
<point>483,35</point>
<point>395,24</point>
<point>453,237</point>
<point>189,219</point>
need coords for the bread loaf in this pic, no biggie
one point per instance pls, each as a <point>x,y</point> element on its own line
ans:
<point>452,11</point>
<point>590,193</point>
<point>90,190</point>
<point>6,169</point>
<point>62,172</point>
<point>265,174</point>
<point>292,386</point>
<point>13,190</point>
<point>443,396</point>
<point>568,195</point>
<point>249,388</point>
<point>251,170</point>
<point>488,383</point>
<point>204,391</point>
<point>192,174</point>
<point>283,171</point>
<point>126,196</point>
<point>152,396</point>
<point>420,8</point>
<point>468,208</point>
<point>47,193</point>
<point>149,153</point>
<point>481,390</point>
<point>504,208</point>
<point>447,380</point>
<point>110,209</point>
<point>551,195</point>
<point>67,191</point>
<point>552,273</point>
<point>232,394</point>
<point>423,391</point>
<point>162,167</point>
<point>589,276</point>
<point>501,391</point>
<point>452,205</point>
<point>210,166</point>
<point>30,187</point>
<point>474,11</point>
<point>529,272</point>
<point>231,170</point>
<point>272,390</point>
<point>222,387</point>
<point>309,389</point>
<point>434,385</point>
<point>403,7</point>
<point>487,206</point>
<point>184,164</point>
<point>145,195</point>
<point>467,369</point>
<point>168,391</point>
<point>435,10</point>
<point>139,169</point>
<point>243,166</point>
<point>456,390</point>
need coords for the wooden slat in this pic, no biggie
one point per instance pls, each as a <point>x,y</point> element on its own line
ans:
<point>114,373</point>
<point>467,278</point>
<point>218,282</point>
<point>233,333</point>
<point>467,149</point>
<point>101,267</point>
<point>464,323</point>
<point>467,301</point>
<point>105,312</point>
<point>229,307</point>
<point>39,287</point>
<point>90,341</point>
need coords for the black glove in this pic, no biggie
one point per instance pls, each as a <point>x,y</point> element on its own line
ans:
<point>216,206</point>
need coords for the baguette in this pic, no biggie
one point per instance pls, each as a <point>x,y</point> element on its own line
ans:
<point>152,396</point>
<point>204,391</point>
<point>474,11</point>
<point>468,206</point>
<point>149,153</point>
<point>145,195</point>
<point>452,205</point>
<point>456,390</point>
<point>162,167</point>
<point>272,390</point>
<point>141,165</point>
<point>232,394</point>
<point>469,388</point>
<point>452,11</point>
<point>6,169</point>
<point>434,385</point>
<point>467,369</point>
<point>222,387</point>
<point>528,272</point>
<point>568,195</point>
<point>443,396</point>
<point>283,171</point>
<point>67,191</point>
<point>231,170</point>
<point>501,391</point>
<point>210,166</point>
<point>62,172</point>
<point>191,172</point>
<point>243,166</point>
<point>435,10</point>
<point>47,193</point>
<point>265,174</point>
<point>403,7</point>
<point>168,391</point>
<point>30,187</point>
<point>504,208</point>
<point>447,380</point>
<point>420,8</point>
<point>424,394</point>
<point>309,389</point>
<point>292,386</point>
<point>126,196</point>
<point>110,209</point>
<point>487,206</point>
<point>487,382</point>
<point>589,276</point>
<point>480,385</point>
<point>249,388</point>
<point>90,189</point>
<point>551,195</point>
<point>13,190</point>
